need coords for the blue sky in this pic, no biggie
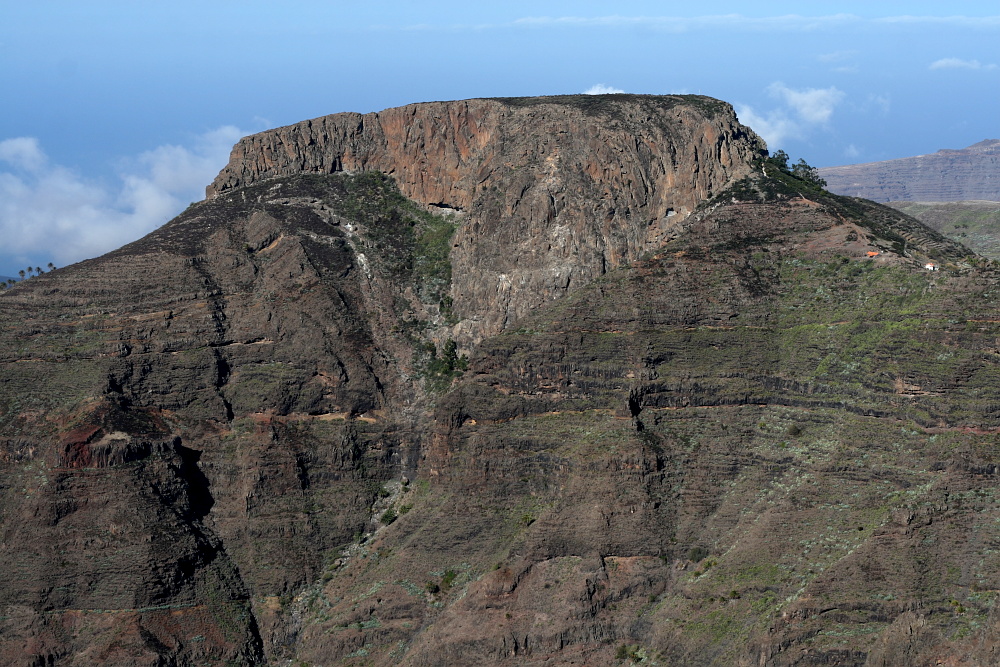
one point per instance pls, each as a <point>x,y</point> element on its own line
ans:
<point>117,114</point>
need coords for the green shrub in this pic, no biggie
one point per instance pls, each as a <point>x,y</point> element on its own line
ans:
<point>697,554</point>
<point>626,652</point>
<point>439,370</point>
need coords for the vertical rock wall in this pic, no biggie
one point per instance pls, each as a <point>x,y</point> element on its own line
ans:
<point>551,192</point>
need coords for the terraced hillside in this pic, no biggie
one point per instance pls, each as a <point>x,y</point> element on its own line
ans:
<point>975,224</point>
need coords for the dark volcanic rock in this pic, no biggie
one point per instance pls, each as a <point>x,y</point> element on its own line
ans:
<point>948,175</point>
<point>754,432</point>
<point>225,378</point>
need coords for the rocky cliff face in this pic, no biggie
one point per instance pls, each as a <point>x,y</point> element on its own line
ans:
<point>948,175</point>
<point>191,423</point>
<point>247,439</point>
<point>552,192</point>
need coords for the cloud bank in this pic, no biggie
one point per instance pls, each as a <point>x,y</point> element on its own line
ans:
<point>958,63</point>
<point>680,24</point>
<point>50,213</point>
<point>801,111</point>
<point>601,89</point>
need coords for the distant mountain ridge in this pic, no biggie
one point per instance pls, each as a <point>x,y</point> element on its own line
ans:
<point>971,173</point>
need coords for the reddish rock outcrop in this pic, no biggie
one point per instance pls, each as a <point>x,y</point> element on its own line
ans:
<point>552,192</point>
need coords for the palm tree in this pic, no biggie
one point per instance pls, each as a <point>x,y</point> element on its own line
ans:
<point>38,270</point>
<point>21,273</point>
<point>52,267</point>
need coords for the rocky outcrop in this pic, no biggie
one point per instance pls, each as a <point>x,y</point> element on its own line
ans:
<point>677,462</point>
<point>246,438</point>
<point>948,175</point>
<point>551,192</point>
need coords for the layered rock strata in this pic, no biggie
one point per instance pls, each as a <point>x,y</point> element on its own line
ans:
<point>766,436</point>
<point>948,175</point>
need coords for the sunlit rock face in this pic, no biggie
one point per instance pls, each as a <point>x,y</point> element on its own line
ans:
<point>552,191</point>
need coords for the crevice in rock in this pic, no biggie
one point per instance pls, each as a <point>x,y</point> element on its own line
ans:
<point>199,493</point>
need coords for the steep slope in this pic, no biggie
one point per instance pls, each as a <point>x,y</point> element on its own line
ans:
<point>948,175</point>
<point>758,446</point>
<point>191,422</point>
<point>737,439</point>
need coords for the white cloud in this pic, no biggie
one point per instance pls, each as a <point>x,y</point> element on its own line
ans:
<point>22,153</point>
<point>680,24</point>
<point>601,89</point>
<point>852,151</point>
<point>775,126</point>
<point>49,211</point>
<point>962,21</point>
<point>881,102</point>
<point>836,56</point>
<point>812,105</point>
<point>958,63</point>
<point>801,111</point>
<point>670,24</point>
<point>840,61</point>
